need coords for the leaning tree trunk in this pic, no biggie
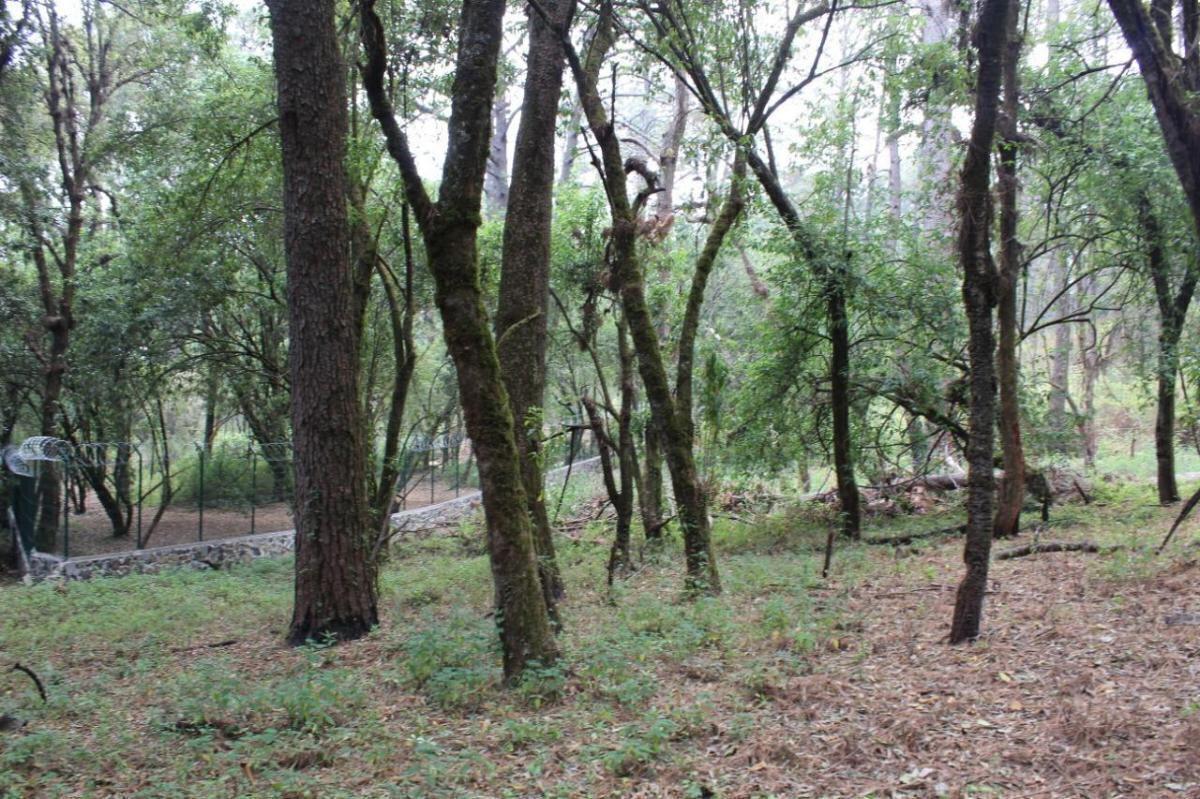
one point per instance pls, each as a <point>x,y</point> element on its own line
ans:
<point>692,504</point>
<point>832,278</point>
<point>1012,488</point>
<point>521,314</point>
<point>979,279</point>
<point>449,227</point>
<point>335,578</point>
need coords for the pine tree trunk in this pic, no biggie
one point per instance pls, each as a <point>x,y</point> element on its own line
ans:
<point>335,579</point>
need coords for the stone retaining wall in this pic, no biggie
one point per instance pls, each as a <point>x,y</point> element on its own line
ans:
<point>223,552</point>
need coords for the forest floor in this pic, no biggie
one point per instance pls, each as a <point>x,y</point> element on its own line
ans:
<point>1084,683</point>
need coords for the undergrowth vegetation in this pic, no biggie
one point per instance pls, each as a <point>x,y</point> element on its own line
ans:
<point>179,684</point>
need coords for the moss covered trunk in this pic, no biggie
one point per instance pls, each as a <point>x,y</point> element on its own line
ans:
<point>1011,495</point>
<point>525,273</point>
<point>449,227</point>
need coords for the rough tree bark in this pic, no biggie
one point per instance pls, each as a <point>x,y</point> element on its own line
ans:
<point>335,578</point>
<point>449,228</point>
<point>521,314</point>
<point>979,297</point>
<point>1011,495</point>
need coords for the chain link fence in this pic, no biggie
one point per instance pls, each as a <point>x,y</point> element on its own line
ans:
<point>78,499</point>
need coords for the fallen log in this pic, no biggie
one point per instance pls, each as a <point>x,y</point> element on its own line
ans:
<point>901,540</point>
<point>1054,546</point>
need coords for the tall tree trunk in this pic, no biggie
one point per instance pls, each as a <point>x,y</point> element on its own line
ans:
<point>1012,488</point>
<point>830,272</point>
<point>449,228</point>
<point>521,314</point>
<point>1091,359</point>
<point>937,130</point>
<point>335,578</point>
<point>979,296</point>
<point>1173,85</point>
<point>570,144</point>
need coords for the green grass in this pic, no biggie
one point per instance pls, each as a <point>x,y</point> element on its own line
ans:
<point>142,705</point>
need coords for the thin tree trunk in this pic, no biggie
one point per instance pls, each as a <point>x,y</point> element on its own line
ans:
<point>979,294</point>
<point>839,380</point>
<point>570,144</point>
<point>651,498</point>
<point>335,578</point>
<point>702,575</point>
<point>401,310</point>
<point>1060,362</point>
<point>668,156</point>
<point>521,314</point>
<point>1012,488</point>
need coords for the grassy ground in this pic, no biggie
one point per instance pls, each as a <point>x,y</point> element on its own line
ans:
<point>788,685</point>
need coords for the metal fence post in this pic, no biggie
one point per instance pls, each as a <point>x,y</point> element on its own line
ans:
<point>200,495</point>
<point>66,484</point>
<point>253,486</point>
<point>140,498</point>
